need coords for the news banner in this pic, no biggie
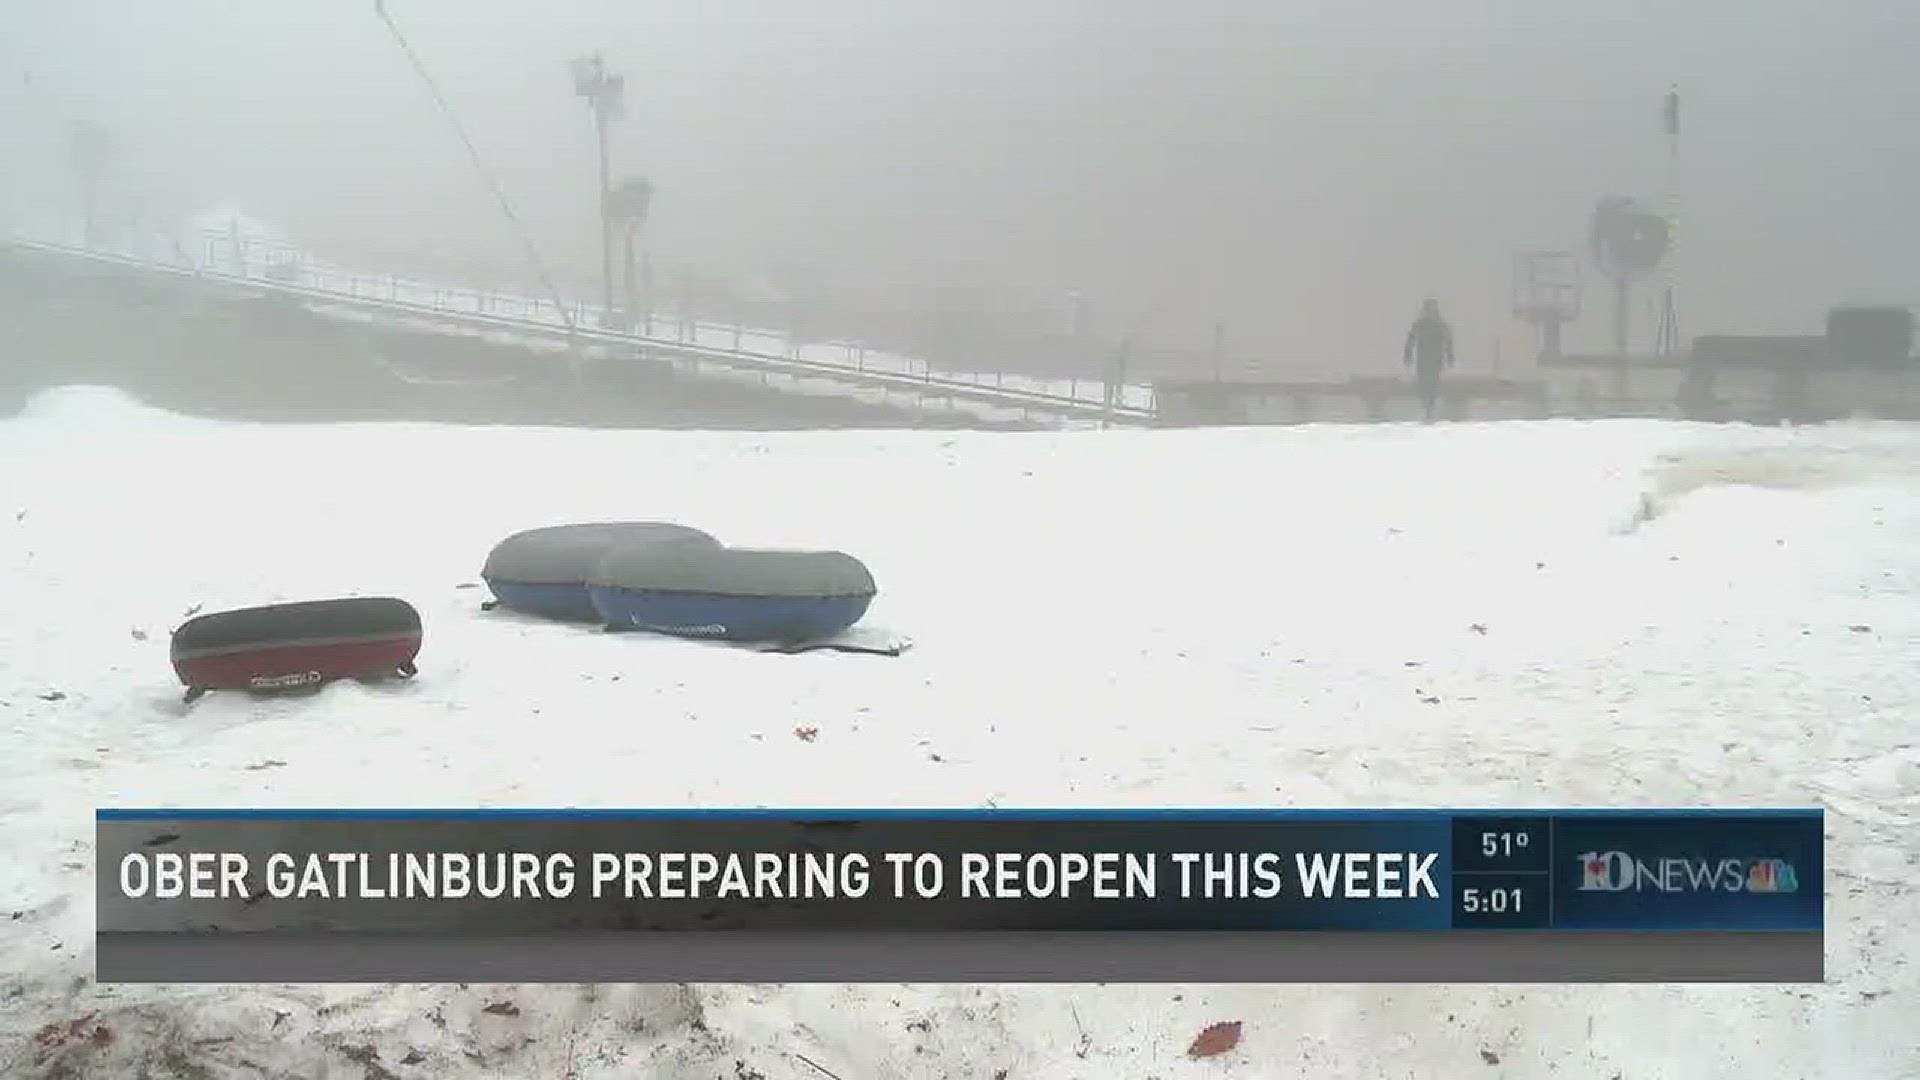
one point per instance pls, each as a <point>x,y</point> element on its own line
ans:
<point>960,896</point>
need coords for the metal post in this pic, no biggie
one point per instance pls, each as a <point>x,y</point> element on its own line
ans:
<point>1621,296</point>
<point>646,286</point>
<point>1669,321</point>
<point>600,119</point>
<point>1112,386</point>
<point>603,91</point>
<point>631,301</point>
<point>1079,335</point>
<point>688,326</point>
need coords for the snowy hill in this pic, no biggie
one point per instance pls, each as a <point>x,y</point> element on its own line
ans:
<point>1515,614</point>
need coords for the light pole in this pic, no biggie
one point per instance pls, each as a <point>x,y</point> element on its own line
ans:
<point>627,208</point>
<point>605,94</point>
<point>1669,325</point>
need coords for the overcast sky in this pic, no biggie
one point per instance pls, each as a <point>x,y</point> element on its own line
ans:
<point>1302,171</point>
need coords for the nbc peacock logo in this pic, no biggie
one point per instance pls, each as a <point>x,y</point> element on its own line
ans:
<point>1772,876</point>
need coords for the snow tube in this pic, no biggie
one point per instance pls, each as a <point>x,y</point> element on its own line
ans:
<point>544,571</point>
<point>289,646</point>
<point>732,594</point>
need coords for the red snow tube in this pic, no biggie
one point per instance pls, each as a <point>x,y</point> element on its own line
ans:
<point>296,646</point>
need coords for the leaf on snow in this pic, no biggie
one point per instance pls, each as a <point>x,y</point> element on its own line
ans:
<point>1215,1039</point>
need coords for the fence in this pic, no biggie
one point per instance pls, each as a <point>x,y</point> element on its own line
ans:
<point>278,266</point>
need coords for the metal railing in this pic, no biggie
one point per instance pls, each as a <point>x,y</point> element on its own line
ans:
<point>277,267</point>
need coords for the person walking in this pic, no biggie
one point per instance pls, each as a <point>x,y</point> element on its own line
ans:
<point>1429,351</point>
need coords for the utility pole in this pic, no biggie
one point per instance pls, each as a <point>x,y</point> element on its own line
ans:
<point>1669,319</point>
<point>605,94</point>
<point>629,204</point>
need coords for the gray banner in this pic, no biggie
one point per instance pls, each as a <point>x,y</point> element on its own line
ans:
<point>966,957</point>
<point>276,884</point>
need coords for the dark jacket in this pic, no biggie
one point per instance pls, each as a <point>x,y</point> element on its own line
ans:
<point>1430,343</point>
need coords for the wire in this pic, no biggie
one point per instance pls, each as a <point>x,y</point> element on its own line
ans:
<point>479,164</point>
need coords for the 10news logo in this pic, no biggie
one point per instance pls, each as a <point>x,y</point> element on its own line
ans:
<point>1617,871</point>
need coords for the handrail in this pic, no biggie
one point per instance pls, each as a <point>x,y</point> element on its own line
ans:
<point>386,296</point>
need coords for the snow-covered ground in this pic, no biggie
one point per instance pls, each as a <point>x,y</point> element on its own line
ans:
<point>1673,615</point>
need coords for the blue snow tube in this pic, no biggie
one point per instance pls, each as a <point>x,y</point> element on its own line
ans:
<point>544,571</point>
<point>731,594</point>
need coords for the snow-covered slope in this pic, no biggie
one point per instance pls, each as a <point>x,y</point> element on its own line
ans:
<point>1672,614</point>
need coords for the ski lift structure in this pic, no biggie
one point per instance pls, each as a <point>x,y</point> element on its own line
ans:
<point>1546,296</point>
<point>627,207</point>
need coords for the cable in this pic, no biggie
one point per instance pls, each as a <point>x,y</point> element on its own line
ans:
<point>479,164</point>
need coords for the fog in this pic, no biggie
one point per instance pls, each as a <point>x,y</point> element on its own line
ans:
<point>1299,174</point>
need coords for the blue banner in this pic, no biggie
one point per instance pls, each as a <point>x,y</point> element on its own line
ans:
<point>837,870</point>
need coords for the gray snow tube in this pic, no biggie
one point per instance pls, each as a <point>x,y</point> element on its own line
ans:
<point>545,571</point>
<point>732,594</point>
